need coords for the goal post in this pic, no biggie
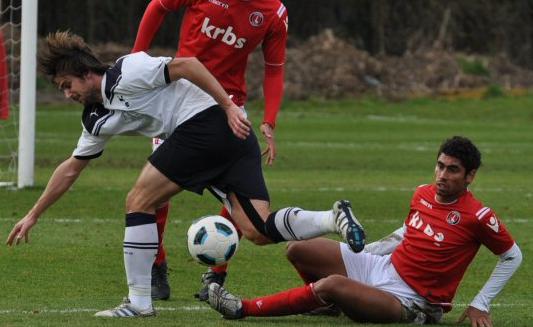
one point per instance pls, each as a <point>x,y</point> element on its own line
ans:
<point>18,51</point>
<point>28,72</point>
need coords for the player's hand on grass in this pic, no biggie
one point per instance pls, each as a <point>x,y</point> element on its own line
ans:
<point>21,230</point>
<point>477,317</point>
<point>270,150</point>
<point>240,126</point>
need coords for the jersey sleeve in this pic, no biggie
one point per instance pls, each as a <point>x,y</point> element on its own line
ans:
<point>135,73</point>
<point>492,232</point>
<point>275,42</point>
<point>90,146</point>
<point>274,47</point>
<point>175,5</point>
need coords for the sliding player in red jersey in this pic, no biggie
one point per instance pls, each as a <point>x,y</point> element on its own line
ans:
<point>413,274</point>
<point>222,34</point>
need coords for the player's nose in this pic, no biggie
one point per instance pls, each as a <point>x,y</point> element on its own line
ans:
<point>67,93</point>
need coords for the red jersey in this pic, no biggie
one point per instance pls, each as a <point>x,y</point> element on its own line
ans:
<point>441,240</point>
<point>223,33</point>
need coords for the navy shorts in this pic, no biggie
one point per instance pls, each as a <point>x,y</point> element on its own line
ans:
<point>203,152</point>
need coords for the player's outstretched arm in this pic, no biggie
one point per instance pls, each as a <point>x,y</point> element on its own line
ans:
<point>63,177</point>
<point>478,311</point>
<point>273,93</point>
<point>387,244</point>
<point>193,70</point>
<point>150,23</point>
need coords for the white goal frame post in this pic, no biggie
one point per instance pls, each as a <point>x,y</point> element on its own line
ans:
<point>27,94</point>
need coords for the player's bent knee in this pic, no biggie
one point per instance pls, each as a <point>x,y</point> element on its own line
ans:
<point>294,251</point>
<point>255,237</point>
<point>327,287</point>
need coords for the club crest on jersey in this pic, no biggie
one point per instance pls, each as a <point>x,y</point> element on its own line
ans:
<point>453,218</point>
<point>256,19</point>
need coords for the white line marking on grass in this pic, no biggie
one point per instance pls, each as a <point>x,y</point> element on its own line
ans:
<point>91,310</point>
<point>406,119</point>
<point>389,189</point>
<point>188,308</point>
<point>496,305</point>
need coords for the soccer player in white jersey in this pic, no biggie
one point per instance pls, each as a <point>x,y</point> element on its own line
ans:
<point>222,35</point>
<point>410,276</point>
<point>208,144</point>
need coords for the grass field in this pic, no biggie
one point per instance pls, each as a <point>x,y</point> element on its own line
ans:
<point>371,152</point>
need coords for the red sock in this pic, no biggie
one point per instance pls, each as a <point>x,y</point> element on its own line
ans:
<point>161,215</point>
<point>224,213</point>
<point>294,301</point>
<point>220,269</point>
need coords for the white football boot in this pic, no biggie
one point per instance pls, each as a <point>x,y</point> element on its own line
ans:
<point>126,310</point>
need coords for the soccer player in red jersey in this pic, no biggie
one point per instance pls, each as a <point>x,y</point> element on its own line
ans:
<point>411,275</point>
<point>222,34</point>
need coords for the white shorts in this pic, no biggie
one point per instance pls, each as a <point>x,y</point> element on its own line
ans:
<point>379,272</point>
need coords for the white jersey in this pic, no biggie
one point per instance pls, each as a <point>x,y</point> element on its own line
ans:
<point>138,99</point>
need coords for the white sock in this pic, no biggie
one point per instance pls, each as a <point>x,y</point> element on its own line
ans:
<point>140,248</point>
<point>296,224</point>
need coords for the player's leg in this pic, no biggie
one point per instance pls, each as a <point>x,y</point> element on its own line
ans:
<point>261,226</point>
<point>160,286</point>
<point>358,301</point>
<point>315,259</point>
<point>141,240</point>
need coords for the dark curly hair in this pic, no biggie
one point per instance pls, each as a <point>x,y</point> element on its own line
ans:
<point>66,53</point>
<point>463,149</point>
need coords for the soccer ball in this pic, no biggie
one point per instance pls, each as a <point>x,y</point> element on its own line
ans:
<point>212,240</point>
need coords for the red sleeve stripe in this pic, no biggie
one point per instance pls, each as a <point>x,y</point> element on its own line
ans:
<point>482,212</point>
<point>281,10</point>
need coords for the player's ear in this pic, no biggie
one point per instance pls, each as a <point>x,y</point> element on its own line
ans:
<point>470,176</point>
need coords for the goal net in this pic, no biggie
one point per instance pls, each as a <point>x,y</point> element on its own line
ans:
<point>18,42</point>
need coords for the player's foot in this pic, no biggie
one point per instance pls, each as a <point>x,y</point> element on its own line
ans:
<point>348,226</point>
<point>330,310</point>
<point>227,304</point>
<point>126,310</point>
<point>207,278</point>
<point>160,287</point>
